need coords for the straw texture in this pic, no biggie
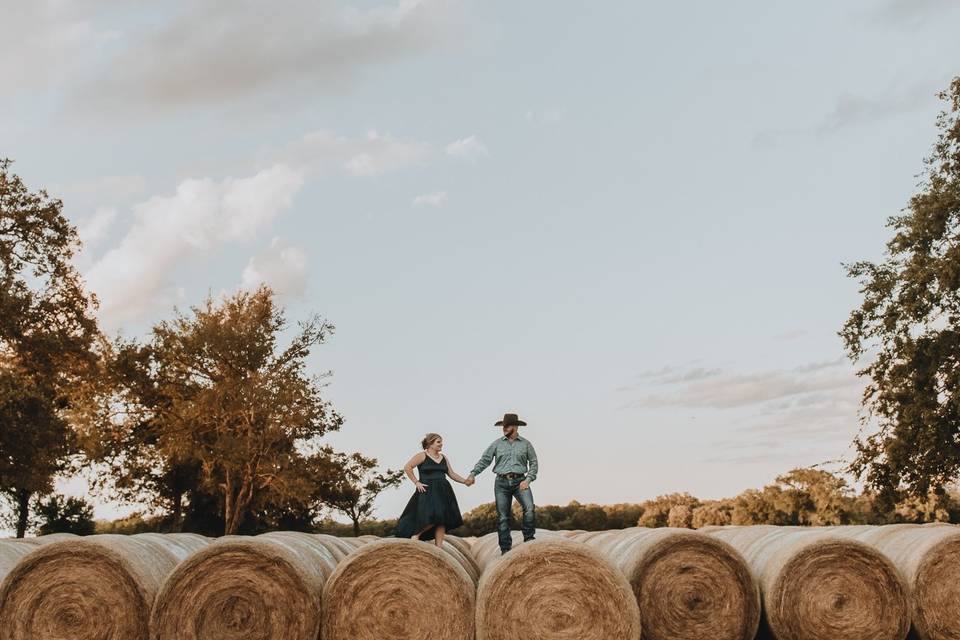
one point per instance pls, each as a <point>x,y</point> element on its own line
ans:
<point>821,586</point>
<point>558,589</point>
<point>93,588</point>
<point>689,586</point>
<point>250,588</point>
<point>399,588</point>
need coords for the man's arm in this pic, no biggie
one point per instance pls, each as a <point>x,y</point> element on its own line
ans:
<point>484,460</point>
<point>533,464</point>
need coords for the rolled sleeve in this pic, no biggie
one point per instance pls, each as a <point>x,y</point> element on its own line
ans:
<point>533,464</point>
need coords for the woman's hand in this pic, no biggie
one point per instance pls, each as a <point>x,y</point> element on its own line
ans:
<point>422,488</point>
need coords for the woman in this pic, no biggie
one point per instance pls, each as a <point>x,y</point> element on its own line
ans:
<point>433,509</point>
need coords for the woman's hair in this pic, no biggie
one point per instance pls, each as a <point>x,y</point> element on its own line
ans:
<point>429,439</point>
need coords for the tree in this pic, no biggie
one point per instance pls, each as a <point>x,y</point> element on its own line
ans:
<point>656,513</point>
<point>815,497</point>
<point>910,318</point>
<point>47,338</point>
<point>59,514</point>
<point>213,400</point>
<point>350,483</point>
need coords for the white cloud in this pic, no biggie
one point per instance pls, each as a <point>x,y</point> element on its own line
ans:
<point>435,199</point>
<point>42,39</point>
<point>282,267</point>
<point>470,148</point>
<point>93,229</point>
<point>134,277</point>
<point>208,51</point>
<point>371,154</point>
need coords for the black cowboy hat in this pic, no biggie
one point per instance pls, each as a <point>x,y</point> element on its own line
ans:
<point>508,420</point>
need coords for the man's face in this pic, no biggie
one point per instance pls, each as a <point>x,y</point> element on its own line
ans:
<point>509,430</point>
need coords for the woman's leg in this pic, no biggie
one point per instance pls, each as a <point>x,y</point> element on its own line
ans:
<point>441,531</point>
<point>416,536</point>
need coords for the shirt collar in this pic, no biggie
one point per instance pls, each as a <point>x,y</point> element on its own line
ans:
<point>519,438</point>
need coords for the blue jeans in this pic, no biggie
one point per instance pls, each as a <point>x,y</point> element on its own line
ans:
<point>504,492</point>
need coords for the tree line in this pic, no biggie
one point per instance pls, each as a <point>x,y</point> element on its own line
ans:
<point>214,423</point>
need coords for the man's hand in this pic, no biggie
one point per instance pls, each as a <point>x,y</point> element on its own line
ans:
<point>470,480</point>
<point>524,485</point>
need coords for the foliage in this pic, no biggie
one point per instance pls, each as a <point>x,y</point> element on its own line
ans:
<point>349,483</point>
<point>910,319</point>
<point>656,512</point>
<point>212,406</point>
<point>47,338</point>
<point>59,514</point>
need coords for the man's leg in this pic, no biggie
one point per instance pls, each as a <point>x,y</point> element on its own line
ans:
<point>529,522</point>
<point>504,498</point>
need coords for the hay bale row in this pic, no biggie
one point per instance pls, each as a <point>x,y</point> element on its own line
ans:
<point>817,585</point>
<point>94,588</point>
<point>688,586</point>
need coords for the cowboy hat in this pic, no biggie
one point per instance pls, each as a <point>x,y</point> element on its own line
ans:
<point>508,420</point>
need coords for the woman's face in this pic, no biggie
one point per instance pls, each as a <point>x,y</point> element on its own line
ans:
<point>436,445</point>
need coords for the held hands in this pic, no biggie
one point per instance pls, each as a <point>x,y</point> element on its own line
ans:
<point>422,488</point>
<point>470,480</point>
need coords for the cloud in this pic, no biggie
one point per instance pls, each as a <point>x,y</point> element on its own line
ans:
<point>42,39</point>
<point>852,110</point>
<point>371,154</point>
<point>134,277</point>
<point>470,148</point>
<point>792,334</point>
<point>212,52</point>
<point>93,229</point>
<point>911,13</point>
<point>282,267</point>
<point>435,199</point>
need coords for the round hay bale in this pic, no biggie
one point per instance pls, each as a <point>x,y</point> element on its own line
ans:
<point>92,588</point>
<point>817,585</point>
<point>399,588</point>
<point>251,588</point>
<point>50,537</point>
<point>354,543</point>
<point>688,585</point>
<point>928,557</point>
<point>338,546</point>
<point>466,560</point>
<point>555,588</point>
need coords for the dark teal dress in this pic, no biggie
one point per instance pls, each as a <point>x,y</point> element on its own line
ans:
<point>436,505</point>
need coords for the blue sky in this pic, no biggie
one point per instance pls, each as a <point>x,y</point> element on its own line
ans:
<point>624,221</point>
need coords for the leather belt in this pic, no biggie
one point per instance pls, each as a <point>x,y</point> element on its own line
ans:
<point>511,476</point>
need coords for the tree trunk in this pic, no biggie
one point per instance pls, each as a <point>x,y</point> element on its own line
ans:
<point>23,511</point>
<point>356,527</point>
<point>177,525</point>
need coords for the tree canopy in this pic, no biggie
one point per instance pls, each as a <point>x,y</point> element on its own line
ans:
<point>907,331</point>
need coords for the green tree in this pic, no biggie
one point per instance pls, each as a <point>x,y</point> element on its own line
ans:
<point>815,497</point>
<point>214,399</point>
<point>350,483</point>
<point>656,512</point>
<point>59,514</point>
<point>47,339</point>
<point>910,320</point>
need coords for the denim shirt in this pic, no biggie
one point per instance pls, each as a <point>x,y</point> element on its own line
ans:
<point>512,457</point>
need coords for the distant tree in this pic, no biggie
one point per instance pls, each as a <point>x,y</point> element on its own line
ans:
<point>680,516</point>
<point>656,512</point>
<point>815,497</point>
<point>712,513</point>
<point>47,338</point>
<point>480,520</point>
<point>760,506</point>
<point>350,483</point>
<point>59,514</point>
<point>909,325</point>
<point>622,515</point>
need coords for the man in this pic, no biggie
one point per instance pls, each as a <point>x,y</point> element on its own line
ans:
<point>516,468</point>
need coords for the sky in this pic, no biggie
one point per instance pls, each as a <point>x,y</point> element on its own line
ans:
<point>625,221</point>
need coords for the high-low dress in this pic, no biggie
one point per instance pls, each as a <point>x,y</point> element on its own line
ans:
<point>437,505</point>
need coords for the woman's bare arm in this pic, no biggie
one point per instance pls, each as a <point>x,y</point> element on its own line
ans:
<point>453,474</point>
<point>408,469</point>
